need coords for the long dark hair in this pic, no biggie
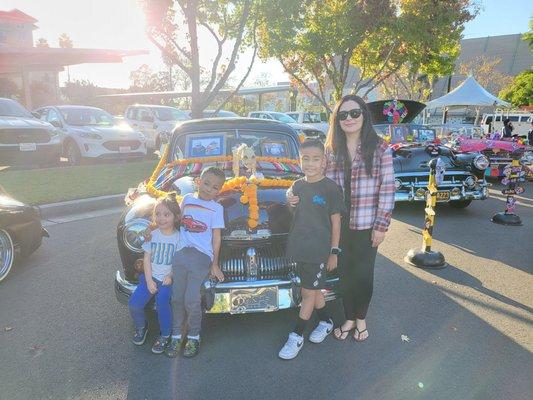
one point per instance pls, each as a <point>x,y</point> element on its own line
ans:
<point>336,139</point>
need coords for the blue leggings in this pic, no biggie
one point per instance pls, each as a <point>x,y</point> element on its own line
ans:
<point>142,296</point>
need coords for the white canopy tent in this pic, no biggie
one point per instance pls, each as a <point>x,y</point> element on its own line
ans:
<point>468,94</point>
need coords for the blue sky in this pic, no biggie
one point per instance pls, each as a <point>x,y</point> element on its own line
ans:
<point>91,24</point>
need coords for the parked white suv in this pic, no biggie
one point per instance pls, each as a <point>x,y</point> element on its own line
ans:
<point>156,122</point>
<point>301,129</point>
<point>308,118</point>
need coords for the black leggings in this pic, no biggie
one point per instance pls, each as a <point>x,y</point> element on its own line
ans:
<point>356,271</point>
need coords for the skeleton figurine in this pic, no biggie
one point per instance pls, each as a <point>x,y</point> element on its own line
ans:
<point>439,171</point>
<point>245,156</point>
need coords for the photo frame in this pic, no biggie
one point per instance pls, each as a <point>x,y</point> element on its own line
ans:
<point>274,149</point>
<point>206,146</point>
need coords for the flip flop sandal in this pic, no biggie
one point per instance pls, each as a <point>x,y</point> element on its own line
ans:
<point>341,336</point>
<point>359,333</point>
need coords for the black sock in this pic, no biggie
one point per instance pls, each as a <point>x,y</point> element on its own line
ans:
<point>323,314</point>
<point>300,326</point>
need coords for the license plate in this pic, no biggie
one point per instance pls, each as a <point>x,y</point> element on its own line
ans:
<point>124,149</point>
<point>443,195</point>
<point>254,300</point>
<point>27,147</point>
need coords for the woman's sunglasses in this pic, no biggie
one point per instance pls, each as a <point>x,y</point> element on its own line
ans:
<point>354,113</point>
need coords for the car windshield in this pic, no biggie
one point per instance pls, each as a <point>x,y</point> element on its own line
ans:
<point>283,118</point>
<point>222,143</point>
<point>86,116</point>
<point>10,108</point>
<point>170,114</point>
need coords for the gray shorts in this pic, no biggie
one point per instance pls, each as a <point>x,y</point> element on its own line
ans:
<point>312,275</point>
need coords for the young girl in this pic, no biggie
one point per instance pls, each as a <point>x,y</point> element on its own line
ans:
<point>157,277</point>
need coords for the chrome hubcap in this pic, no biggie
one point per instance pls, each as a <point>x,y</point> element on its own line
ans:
<point>6,254</point>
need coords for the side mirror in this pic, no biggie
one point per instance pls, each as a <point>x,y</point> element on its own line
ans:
<point>56,123</point>
<point>147,118</point>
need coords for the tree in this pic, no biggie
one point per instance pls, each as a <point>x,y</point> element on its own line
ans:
<point>484,70</point>
<point>520,92</point>
<point>175,27</point>
<point>318,40</point>
<point>144,79</point>
<point>42,42</point>
<point>65,42</point>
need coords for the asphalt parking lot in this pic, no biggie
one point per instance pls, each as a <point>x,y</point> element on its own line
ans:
<point>463,332</point>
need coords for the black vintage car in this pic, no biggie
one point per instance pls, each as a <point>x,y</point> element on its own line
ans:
<point>21,231</point>
<point>413,146</point>
<point>258,275</point>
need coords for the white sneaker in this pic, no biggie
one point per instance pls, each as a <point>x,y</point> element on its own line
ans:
<point>322,330</point>
<point>291,348</point>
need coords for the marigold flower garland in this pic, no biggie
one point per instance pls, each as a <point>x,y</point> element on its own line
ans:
<point>248,186</point>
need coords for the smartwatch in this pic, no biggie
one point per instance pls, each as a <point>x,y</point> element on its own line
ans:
<point>336,251</point>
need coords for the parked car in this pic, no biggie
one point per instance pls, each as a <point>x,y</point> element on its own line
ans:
<point>25,139</point>
<point>92,133</point>
<point>521,121</point>
<point>258,275</point>
<point>156,122</point>
<point>413,147</point>
<point>21,231</point>
<point>304,131</point>
<point>315,119</point>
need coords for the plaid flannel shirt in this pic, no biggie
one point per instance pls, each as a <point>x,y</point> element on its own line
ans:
<point>372,198</point>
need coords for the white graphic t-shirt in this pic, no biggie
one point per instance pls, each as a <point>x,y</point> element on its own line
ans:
<point>198,219</point>
<point>161,249</point>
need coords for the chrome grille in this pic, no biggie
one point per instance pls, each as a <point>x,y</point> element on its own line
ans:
<point>271,260</point>
<point>114,145</point>
<point>450,179</point>
<point>15,136</point>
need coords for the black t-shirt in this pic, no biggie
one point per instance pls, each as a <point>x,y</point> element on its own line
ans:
<point>310,235</point>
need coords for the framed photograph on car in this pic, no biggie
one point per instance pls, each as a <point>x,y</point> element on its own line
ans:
<point>205,146</point>
<point>274,149</point>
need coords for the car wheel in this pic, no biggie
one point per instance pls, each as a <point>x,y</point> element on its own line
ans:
<point>7,253</point>
<point>460,203</point>
<point>73,154</point>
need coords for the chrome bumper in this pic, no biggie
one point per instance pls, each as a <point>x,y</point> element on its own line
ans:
<point>466,194</point>
<point>222,304</point>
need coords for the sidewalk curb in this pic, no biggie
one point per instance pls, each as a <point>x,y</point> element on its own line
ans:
<point>81,205</point>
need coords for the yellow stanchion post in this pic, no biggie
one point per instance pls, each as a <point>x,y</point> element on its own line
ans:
<point>425,257</point>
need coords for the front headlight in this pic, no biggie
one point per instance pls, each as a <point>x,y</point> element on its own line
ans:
<point>133,234</point>
<point>481,162</point>
<point>90,135</point>
<point>141,136</point>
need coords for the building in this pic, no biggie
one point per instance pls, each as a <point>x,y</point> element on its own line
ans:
<point>35,70</point>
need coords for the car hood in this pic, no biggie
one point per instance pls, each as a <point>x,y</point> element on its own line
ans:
<point>416,158</point>
<point>10,204</point>
<point>274,214</point>
<point>23,123</point>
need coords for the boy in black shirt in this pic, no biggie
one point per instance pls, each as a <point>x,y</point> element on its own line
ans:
<point>313,242</point>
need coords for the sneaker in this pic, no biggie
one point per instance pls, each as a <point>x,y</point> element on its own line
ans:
<point>192,347</point>
<point>160,344</point>
<point>323,329</point>
<point>140,335</point>
<point>291,348</point>
<point>173,347</point>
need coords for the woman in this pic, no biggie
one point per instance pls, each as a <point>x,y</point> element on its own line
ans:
<point>361,163</point>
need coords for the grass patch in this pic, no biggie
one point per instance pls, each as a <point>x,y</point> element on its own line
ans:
<point>42,186</point>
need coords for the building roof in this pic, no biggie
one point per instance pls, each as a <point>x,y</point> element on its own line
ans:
<point>15,15</point>
<point>12,59</point>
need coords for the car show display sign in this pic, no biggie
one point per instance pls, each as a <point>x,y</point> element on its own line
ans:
<point>513,175</point>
